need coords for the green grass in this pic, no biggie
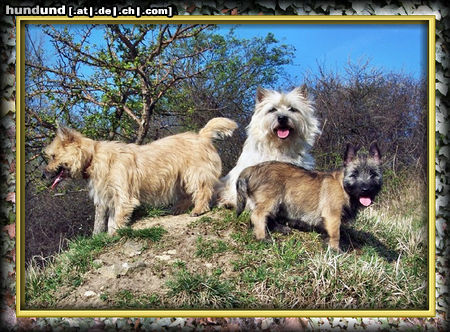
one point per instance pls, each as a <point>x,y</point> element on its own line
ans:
<point>153,233</point>
<point>148,211</point>
<point>210,223</point>
<point>127,299</point>
<point>195,290</point>
<point>207,248</point>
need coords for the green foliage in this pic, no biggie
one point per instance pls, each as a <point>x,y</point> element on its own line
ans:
<point>215,224</point>
<point>330,161</point>
<point>130,300</point>
<point>394,181</point>
<point>236,67</point>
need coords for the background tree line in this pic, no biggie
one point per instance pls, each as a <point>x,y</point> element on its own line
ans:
<point>138,83</point>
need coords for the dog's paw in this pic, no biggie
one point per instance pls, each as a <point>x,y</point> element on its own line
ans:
<point>198,211</point>
<point>335,249</point>
<point>112,232</point>
<point>196,214</point>
<point>283,229</point>
<point>177,211</point>
<point>182,206</point>
<point>267,240</point>
<point>226,205</point>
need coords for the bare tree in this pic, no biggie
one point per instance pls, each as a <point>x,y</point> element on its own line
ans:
<point>136,68</point>
<point>366,104</point>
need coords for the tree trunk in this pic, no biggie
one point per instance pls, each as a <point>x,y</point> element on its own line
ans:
<point>147,112</point>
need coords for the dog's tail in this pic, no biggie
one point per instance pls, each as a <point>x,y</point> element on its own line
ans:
<point>218,128</point>
<point>242,193</point>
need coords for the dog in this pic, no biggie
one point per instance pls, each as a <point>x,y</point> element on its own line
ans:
<point>283,128</point>
<point>181,169</point>
<point>283,191</point>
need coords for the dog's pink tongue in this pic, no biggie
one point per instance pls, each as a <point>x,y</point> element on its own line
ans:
<point>366,201</point>
<point>58,179</point>
<point>283,133</point>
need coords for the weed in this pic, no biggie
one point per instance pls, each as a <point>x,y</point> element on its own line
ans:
<point>179,264</point>
<point>104,296</point>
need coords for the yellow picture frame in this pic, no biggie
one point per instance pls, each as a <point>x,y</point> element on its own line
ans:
<point>21,21</point>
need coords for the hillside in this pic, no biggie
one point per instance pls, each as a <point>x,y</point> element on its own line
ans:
<point>214,262</point>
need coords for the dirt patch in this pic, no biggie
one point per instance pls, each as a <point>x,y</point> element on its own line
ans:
<point>142,268</point>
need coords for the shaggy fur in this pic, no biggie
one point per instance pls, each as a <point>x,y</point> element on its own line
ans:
<point>282,191</point>
<point>177,169</point>
<point>283,128</point>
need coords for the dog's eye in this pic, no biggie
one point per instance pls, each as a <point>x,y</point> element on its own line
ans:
<point>272,110</point>
<point>293,110</point>
<point>354,175</point>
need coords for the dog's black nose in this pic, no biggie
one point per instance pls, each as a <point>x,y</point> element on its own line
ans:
<point>282,119</point>
<point>365,188</point>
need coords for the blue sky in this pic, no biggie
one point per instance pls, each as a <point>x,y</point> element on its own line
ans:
<point>393,47</point>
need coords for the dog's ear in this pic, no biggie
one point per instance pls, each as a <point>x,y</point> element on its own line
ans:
<point>350,153</point>
<point>62,132</point>
<point>261,93</point>
<point>67,135</point>
<point>303,91</point>
<point>374,152</point>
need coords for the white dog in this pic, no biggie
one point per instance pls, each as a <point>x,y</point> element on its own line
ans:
<point>283,128</point>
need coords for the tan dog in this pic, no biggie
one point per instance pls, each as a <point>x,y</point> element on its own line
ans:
<point>179,169</point>
<point>281,191</point>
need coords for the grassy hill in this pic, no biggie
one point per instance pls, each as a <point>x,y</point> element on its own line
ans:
<point>214,262</point>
